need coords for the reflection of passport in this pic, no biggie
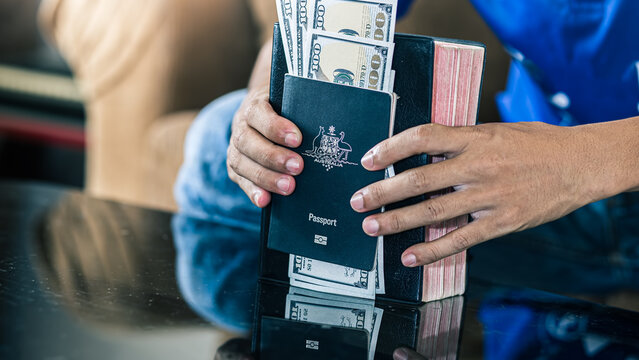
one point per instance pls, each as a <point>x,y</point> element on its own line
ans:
<point>289,339</point>
<point>339,124</point>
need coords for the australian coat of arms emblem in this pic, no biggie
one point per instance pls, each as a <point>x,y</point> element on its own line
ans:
<point>329,149</point>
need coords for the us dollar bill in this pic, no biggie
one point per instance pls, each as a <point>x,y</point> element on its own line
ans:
<point>329,312</point>
<point>287,17</point>
<point>304,19</point>
<point>348,60</point>
<point>366,19</point>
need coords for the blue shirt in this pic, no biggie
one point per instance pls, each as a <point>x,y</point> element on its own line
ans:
<point>574,61</point>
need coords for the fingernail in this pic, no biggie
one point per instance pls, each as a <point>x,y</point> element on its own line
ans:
<point>371,226</point>
<point>293,166</point>
<point>409,260</point>
<point>256,197</point>
<point>283,184</point>
<point>292,140</point>
<point>400,354</point>
<point>357,201</point>
<point>367,160</point>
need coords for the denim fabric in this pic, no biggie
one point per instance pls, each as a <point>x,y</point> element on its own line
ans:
<point>216,268</point>
<point>203,189</point>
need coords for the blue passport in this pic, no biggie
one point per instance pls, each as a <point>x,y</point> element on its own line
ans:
<point>339,124</point>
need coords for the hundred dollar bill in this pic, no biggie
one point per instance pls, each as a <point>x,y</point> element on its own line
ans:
<point>348,60</point>
<point>329,312</point>
<point>304,18</point>
<point>286,13</point>
<point>331,277</point>
<point>361,18</point>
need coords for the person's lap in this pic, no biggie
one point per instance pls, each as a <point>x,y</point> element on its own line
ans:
<point>595,248</point>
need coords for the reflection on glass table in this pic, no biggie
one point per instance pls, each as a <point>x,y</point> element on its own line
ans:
<point>87,278</point>
<point>82,278</point>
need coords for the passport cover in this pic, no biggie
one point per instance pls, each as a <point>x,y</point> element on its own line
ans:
<point>413,62</point>
<point>339,124</point>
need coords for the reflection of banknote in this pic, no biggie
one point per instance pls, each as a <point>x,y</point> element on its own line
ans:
<point>377,321</point>
<point>329,312</point>
<point>286,13</point>
<point>347,60</point>
<point>331,277</point>
<point>361,18</point>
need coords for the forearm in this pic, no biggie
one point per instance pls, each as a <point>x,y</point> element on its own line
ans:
<point>610,153</point>
<point>261,74</point>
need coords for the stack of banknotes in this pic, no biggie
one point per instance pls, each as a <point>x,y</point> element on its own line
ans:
<point>456,90</point>
<point>342,41</point>
<point>347,42</point>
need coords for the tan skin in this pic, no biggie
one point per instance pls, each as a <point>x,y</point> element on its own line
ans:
<point>508,177</point>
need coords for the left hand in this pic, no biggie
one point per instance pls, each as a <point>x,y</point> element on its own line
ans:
<point>508,177</point>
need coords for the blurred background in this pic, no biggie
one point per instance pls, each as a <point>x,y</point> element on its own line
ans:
<point>41,109</point>
<point>99,94</point>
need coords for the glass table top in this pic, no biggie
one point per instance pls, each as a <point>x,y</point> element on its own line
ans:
<point>85,278</point>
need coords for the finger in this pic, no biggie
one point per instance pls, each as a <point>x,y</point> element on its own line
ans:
<point>264,178</point>
<point>279,159</point>
<point>461,239</point>
<point>432,211</point>
<point>404,353</point>
<point>267,122</point>
<point>432,139</point>
<point>410,183</point>
<point>258,196</point>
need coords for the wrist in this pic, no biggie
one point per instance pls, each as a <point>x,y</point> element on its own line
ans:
<point>610,156</point>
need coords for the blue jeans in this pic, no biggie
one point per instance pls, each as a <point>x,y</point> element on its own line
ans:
<point>595,248</point>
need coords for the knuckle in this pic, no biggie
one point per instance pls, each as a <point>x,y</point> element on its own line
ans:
<point>434,210</point>
<point>382,149</point>
<point>417,177</point>
<point>377,194</point>
<point>509,220</point>
<point>423,132</point>
<point>395,223</point>
<point>428,253</point>
<point>232,158</point>
<point>259,174</point>
<point>238,136</point>
<point>269,157</point>
<point>462,240</point>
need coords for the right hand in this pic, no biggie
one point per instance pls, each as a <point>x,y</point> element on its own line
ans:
<point>256,157</point>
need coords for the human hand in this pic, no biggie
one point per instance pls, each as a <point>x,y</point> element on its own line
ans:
<point>256,157</point>
<point>509,177</point>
